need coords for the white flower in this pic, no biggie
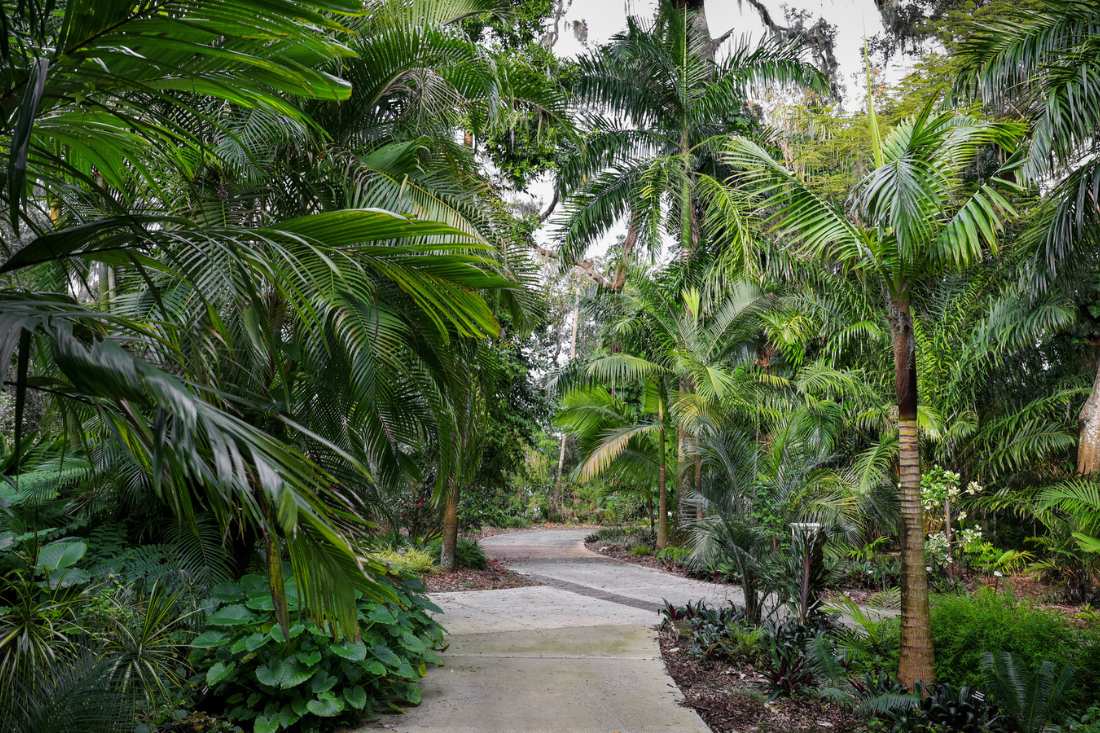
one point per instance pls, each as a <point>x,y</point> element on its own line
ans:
<point>928,568</point>
<point>998,574</point>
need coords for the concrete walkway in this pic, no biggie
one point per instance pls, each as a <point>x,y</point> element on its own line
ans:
<point>577,653</point>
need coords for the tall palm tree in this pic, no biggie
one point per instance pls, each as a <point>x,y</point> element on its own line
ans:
<point>915,217</point>
<point>1042,61</point>
<point>656,100</point>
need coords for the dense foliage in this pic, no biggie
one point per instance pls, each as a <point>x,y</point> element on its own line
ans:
<point>279,321</point>
<point>301,678</point>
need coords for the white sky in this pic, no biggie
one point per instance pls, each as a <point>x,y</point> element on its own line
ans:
<point>855,20</point>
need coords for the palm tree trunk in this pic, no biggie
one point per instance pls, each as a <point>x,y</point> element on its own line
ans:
<point>628,251</point>
<point>698,484</point>
<point>450,528</point>
<point>915,664</point>
<point>1088,436</point>
<point>683,480</point>
<point>556,495</point>
<point>662,487</point>
<point>556,502</point>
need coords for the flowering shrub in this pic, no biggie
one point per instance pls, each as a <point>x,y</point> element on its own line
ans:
<point>940,491</point>
<point>935,551</point>
<point>938,485</point>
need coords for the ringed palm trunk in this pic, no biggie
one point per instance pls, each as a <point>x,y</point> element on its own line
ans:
<point>1088,436</point>
<point>662,483</point>
<point>557,502</point>
<point>915,664</point>
<point>699,484</point>
<point>683,479</point>
<point>447,556</point>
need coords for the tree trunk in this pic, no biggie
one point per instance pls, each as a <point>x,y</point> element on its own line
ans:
<point>915,664</point>
<point>948,537</point>
<point>628,251</point>
<point>698,485</point>
<point>1088,436</point>
<point>683,478</point>
<point>662,488</point>
<point>649,511</point>
<point>556,502</point>
<point>447,557</point>
<point>556,496</point>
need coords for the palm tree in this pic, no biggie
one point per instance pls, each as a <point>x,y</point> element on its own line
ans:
<point>665,340</point>
<point>624,439</point>
<point>915,218</point>
<point>208,322</point>
<point>657,99</point>
<point>1042,62</point>
<point>779,467</point>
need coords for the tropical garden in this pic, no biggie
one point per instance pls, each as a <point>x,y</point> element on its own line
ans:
<point>279,334</point>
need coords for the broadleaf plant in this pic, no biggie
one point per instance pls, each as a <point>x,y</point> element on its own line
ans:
<point>265,680</point>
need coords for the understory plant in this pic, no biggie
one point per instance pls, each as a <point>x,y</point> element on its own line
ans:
<point>468,553</point>
<point>302,678</point>
<point>1022,657</point>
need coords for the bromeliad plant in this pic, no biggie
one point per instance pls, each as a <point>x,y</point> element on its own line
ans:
<point>305,680</point>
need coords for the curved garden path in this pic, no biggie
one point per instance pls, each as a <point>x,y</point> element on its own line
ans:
<point>576,653</point>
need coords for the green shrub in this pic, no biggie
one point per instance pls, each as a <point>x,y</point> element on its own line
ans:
<point>641,550</point>
<point>468,553</point>
<point>939,708</point>
<point>624,535</point>
<point>1087,722</point>
<point>406,561</point>
<point>967,627</point>
<point>673,554</point>
<point>310,682</point>
<point>610,534</point>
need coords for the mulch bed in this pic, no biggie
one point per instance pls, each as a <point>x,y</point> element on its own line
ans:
<point>735,697</point>
<point>495,577</point>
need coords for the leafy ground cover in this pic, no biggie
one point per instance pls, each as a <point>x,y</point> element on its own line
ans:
<point>259,674</point>
<point>1003,666</point>
<point>734,696</point>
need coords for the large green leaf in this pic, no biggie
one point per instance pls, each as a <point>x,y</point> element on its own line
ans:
<point>356,697</point>
<point>219,671</point>
<point>231,615</point>
<point>60,554</point>
<point>283,673</point>
<point>326,705</point>
<point>265,723</point>
<point>353,651</point>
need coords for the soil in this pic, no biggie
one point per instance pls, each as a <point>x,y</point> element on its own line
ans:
<point>494,577</point>
<point>732,697</point>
